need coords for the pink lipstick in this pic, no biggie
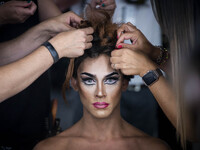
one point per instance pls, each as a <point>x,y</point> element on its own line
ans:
<point>100,105</point>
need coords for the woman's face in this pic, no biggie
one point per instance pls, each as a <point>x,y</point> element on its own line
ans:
<point>99,86</point>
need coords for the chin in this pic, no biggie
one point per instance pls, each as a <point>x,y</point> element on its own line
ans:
<point>101,114</point>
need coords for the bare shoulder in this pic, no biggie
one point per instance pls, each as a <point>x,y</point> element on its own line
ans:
<point>143,141</point>
<point>60,141</point>
<point>155,144</point>
<point>52,143</point>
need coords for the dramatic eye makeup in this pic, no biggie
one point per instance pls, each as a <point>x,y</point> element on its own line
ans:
<point>90,79</point>
<point>112,78</point>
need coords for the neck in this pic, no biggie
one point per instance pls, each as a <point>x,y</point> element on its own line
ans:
<point>102,129</point>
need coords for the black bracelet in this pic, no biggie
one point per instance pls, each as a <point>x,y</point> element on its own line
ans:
<point>52,50</point>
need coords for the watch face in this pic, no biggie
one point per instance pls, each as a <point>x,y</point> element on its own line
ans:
<point>150,78</point>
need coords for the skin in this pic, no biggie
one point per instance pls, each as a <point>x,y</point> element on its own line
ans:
<point>161,90</point>
<point>100,128</point>
<point>128,31</point>
<point>18,79</point>
<point>48,8</point>
<point>128,59</point>
<point>19,47</point>
<point>13,12</point>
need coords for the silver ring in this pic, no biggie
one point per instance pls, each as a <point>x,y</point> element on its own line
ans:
<point>114,66</point>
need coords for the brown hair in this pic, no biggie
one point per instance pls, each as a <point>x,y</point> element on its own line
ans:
<point>176,19</point>
<point>104,41</point>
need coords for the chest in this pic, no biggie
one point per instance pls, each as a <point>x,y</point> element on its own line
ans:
<point>112,145</point>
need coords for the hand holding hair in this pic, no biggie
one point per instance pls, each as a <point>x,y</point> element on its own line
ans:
<point>72,43</point>
<point>131,62</point>
<point>139,42</point>
<point>107,5</point>
<point>16,11</point>
<point>65,22</point>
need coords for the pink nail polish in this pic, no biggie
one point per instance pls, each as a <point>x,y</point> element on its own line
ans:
<point>119,46</point>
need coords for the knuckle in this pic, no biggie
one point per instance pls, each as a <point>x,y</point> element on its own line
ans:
<point>81,52</point>
<point>82,33</point>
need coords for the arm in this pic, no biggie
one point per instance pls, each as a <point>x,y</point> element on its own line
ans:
<point>23,72</point>
<point>23,45</point>
<point>47,9</point>
<point>137,63</point>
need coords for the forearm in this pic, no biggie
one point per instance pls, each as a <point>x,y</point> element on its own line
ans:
<point>165,98</point>
<point>23,45</point>
<point>18,75</point>
<point>47,9</point>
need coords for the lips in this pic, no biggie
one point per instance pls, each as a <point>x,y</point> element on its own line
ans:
<point>100,105</point>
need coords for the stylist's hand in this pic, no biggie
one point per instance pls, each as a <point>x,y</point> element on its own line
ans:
<point>138,41</point>
<point>131,62</point>
<point>72,43</point>
<point>16,11</point>
<point>64,22</point>
<point>108,5</point>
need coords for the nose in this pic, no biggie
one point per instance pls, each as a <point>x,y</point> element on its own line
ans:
<point>100,91</point>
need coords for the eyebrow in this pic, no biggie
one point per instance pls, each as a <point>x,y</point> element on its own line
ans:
<point>107,76</point>
<point>88,74</point>
<point>111,74</point>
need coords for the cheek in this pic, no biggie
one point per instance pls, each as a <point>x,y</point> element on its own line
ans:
<point>85,91</point>
<point>114,91</point>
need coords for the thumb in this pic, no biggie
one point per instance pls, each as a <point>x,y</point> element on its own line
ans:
<point>21,3</point>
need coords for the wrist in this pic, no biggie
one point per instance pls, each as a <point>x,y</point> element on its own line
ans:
<point>151,66</point>
<point>155,52</point>
<point>52,51</point>
<point>46,29</point>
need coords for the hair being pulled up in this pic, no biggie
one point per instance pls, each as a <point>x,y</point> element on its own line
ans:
<point>104,41</point>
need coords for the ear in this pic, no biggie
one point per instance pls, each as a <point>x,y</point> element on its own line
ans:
<point>124,84</point>
<point>74,84</point>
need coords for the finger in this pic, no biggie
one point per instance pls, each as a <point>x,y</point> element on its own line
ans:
<point>93,3</point>
<point>21,3</point>
<point>88,30</point>
<point>115,60</point>
<point>26,12</point>
<point>129,46</point>
<point>109,7</point>
<point>126,36</point>
<point>116,53</point>
<point>88,45</point>
<point>116,66</point>
<point>107,2</point>
<point>73,18</point>
<point>32,8</point>
<point>125,28</point>
<point>89,38</point>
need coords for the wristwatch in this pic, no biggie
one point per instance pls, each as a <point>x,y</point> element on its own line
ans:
<point>151,76</point>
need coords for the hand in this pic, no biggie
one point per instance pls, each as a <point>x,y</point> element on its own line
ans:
<point>138,41</point>
<point>16,11</point>
<point>64,22</point>
<point>131,62</point>
<point>108,5</point>
<point>73,43</point>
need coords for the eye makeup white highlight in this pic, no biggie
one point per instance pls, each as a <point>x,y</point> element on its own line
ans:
<point>90,79</point>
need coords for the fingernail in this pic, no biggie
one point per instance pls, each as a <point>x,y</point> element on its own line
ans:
<point>103,5</point>
<point>119,46</point>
